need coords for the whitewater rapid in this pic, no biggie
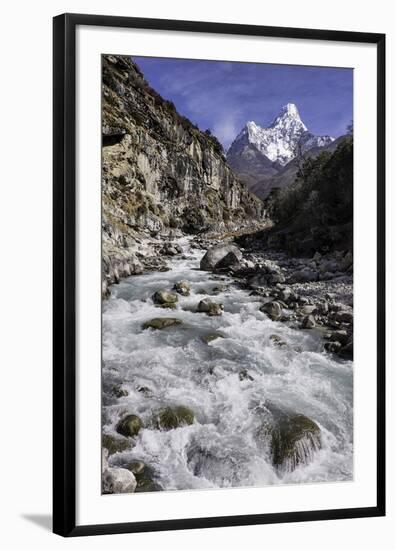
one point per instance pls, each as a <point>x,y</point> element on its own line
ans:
<point>176,367</point>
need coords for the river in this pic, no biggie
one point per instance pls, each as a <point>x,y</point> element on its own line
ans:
<point>228,383</point>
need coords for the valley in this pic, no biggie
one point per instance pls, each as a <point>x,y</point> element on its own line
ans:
<point>227,286</point>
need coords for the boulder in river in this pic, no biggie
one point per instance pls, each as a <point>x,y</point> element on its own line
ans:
<point>272,310</point>
<point>171,249</point>
<point>344,316</point>
<point>332,347</point>
<point>230,260</point>
<point>347,351</point>
<point>216,253</point>
<point>130,425</point>
<point>276,278</point>
<point>145,476</point>
<point>136,467</point>
<point>294,440</point>
<point>118,480</point>
<point>277,341</point>
<point>286,295</point>
<point>173,417</point>
<point>114,444</point>
<point>339,336</point>
<point>170,305</point>
<point>307,309</point>
<point>159,323</point>
<point>182,288</point>
<point>119,391</point>
<point>219,288</point>
<point>245,375</point>
<point>211,308</point>
<point>207,338</point>
<point>164,297</point>
<point>308,321</point>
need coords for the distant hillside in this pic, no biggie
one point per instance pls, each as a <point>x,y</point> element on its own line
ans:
<point>315,213</point>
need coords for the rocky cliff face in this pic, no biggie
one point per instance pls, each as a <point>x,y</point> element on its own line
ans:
<point>161,176</point>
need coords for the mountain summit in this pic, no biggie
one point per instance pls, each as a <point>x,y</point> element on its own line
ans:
<point>279,141</point>
<point>259,153</point>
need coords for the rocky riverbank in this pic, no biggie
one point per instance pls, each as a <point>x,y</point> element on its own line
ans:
<point>306,293</point>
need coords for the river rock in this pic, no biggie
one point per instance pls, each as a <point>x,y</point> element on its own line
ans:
<point>164,297</point>
<point>182,288</point>
<point>307,309</point>
<point>332,347</point>
<point>244,375</point>
<point>130,425</point>
<point>219,288</point>
<point>146,479</point>
<point>272,310</point>
<point>114,444</point>
<point>118,480</point>
<point>344,316</point>
<point>330,296</point>
<point>136,467</point>
<point>145,390</point>
<point>276,278</point>
<point>323,307</point>
<point>230,260</point>
<point>308,322</point>
<point>207,338</point>
<point>294,440</point>
<point>169,305</point>
<point>286,295</point>
<point>171,249</point>
<point>160,323</point>
<point>173,417</point>
<point>215,254</point>
<point>339,336</point>
<point>277,340</point>
<point>211,308</point>
<point>119,391</point>
<point>347,351</point>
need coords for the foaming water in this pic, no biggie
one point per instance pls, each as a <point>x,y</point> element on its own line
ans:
<point>228,383</point>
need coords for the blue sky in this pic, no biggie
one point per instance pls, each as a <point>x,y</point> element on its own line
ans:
<point>223,95</point>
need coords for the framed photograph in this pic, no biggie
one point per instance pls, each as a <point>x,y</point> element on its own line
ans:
<point>218,275</point>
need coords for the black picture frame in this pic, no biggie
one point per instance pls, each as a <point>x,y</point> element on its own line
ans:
<point>64,273</point>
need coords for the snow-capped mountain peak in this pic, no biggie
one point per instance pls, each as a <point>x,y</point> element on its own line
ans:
<point>289,118</point>
<point>279,141</point>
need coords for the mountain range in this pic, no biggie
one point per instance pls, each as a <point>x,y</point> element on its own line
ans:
<point>263,158</point>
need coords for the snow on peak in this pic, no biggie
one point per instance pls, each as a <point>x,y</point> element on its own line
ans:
<point>290,109</point>
<point>279,141</point>
<point>289,117</point>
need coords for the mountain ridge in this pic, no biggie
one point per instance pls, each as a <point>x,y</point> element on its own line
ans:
<point>257,153</point>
